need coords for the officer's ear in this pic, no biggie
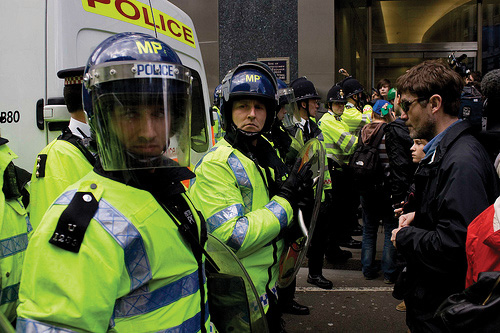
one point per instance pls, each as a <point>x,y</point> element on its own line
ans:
<point>303,104</point>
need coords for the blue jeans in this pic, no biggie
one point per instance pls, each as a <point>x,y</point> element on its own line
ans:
<point>377,206</point>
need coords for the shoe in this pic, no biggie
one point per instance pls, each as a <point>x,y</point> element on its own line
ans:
<point>401,307</point>
<point>351,243</point>
<point>357,231</point>
<point>340,257</point>
<point>371,276</point>
<point>320,281</point>
<point>295,308</point>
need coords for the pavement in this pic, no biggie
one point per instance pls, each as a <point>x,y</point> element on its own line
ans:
<point>353,305</point>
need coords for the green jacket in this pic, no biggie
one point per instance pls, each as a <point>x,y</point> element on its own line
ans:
<point>233,196</point>
<point>355,119</point>
<point>339,142</point>
<point>15,229</point>
<point>133,273</point>
<point>58,165</point>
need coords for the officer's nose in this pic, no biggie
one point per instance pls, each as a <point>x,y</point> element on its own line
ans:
<point>252,112</point>
<point>148,127</point>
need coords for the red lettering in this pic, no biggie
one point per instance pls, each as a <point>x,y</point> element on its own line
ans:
<point>91,3</point>
<point>169,24</point>
<point>188,35</point>
<point>146,16</point>
<point>118,5</point>
<point>162,21</point>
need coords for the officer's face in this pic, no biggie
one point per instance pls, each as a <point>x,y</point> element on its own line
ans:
<point>281,113</point>
<point>338,108</point>
<point>141,129</point>
<point>249,115</point>
<point>313,106</point>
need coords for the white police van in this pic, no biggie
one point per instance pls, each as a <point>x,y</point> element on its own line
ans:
<point>41,37</point>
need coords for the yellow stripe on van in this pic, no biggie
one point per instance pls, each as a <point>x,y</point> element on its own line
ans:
<point>137,13</point>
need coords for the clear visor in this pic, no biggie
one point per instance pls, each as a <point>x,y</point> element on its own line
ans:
<point>292,115</point>
<point>142,123</point>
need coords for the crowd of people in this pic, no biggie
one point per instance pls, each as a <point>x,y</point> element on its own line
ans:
<point>107,198</point>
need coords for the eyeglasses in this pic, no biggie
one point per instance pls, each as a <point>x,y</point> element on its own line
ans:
<point>405,105</point>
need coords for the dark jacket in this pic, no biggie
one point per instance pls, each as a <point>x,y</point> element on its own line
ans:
<point>451,189</point>
<point>397,144</point>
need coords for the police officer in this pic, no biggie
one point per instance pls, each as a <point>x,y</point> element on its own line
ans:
<point>15,228</point>
<point>307,99</point>
<point>238,184</point>
<point>66,159</point>
<point>122,248</point>
<point>339,144</point>
<point>217,127</point>
<point>355,115</point>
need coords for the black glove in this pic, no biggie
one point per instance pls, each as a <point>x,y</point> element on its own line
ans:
<point>298,185</point>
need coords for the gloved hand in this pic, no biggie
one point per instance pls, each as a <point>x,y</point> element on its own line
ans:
<point>298,185</point>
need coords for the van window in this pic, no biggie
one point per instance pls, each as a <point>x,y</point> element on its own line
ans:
<point>199,135</point>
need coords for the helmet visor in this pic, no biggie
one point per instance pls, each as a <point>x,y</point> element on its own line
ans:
<point>143,123</point>
<point>287,101</point>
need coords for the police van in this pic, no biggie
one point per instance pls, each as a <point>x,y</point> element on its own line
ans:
<point>42,37</point>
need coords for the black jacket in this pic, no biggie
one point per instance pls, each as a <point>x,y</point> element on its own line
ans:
<point>397,145</point>
<point>451,189</point>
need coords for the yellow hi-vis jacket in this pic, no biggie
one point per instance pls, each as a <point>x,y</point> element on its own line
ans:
<point>15,228</point>
<point>339,142</point>
<point>355,119</point>
<point>134,272</point>
<point>231,193</point>
<point>58,165</point>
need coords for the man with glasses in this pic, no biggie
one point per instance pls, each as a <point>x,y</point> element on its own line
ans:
<point>453,184</point>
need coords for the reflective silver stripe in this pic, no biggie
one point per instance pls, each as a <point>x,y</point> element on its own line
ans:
<point>243,180</point>
<point>350,144</point>
<point>279,212</point>
<point>13,245</point>
<point>32,326</point>
<point>9,294</point>
<point>142,301</point>
<point>129,238</point>
<point>224,215</point>
<point>125,234</point>
<point>329,145</point>
<point>264,299</point>
<point>239,234</point>
<point>190,325</point>
<point>342,138</point>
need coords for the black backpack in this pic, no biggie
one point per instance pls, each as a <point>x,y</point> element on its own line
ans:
<point>365,166</point>
<point>471,107</point>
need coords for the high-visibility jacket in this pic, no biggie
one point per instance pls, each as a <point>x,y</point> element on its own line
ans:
<point>339,142</point>
<point>217,128</point>
<point>134,272</point>
<point>355,119</point>
<point>58,165</point>
<point>15,228</point>
<point>232,193</point>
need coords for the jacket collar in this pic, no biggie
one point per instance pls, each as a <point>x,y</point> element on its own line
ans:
<point>453,132</point>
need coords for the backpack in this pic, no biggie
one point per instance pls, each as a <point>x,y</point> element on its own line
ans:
<point>365,166</point>
<point>471,106</point>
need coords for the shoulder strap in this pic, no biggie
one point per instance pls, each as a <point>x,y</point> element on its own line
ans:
<point>77,142</point>
<point>375,141</point>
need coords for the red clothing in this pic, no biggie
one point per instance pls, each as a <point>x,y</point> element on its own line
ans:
<point>483,243</point>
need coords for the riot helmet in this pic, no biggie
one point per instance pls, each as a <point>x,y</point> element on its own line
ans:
<point>137,95</point>
<point>217,93</point>
<point>249,80</point>
<point>304,90</point>
<point>287,104</point>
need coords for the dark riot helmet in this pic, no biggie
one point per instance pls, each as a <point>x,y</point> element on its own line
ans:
<point>137,96</point>
<point>217,93</point>
<point>251,79</point>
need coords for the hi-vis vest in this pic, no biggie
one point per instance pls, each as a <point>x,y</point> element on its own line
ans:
<point>232,195</point>
<point>133,273</point>
<point>15,229</point>
<point>58,165</point>
<point>355,119</point>
<point>339,142</point>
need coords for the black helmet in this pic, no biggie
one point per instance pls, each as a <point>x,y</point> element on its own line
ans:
<point>336,95</point>
<point>304,89</point>
<point>351,86</point>
<point>251,79</point>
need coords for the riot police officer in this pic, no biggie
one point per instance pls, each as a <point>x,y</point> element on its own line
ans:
<point>122,248</point>
<point>239,186</point>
